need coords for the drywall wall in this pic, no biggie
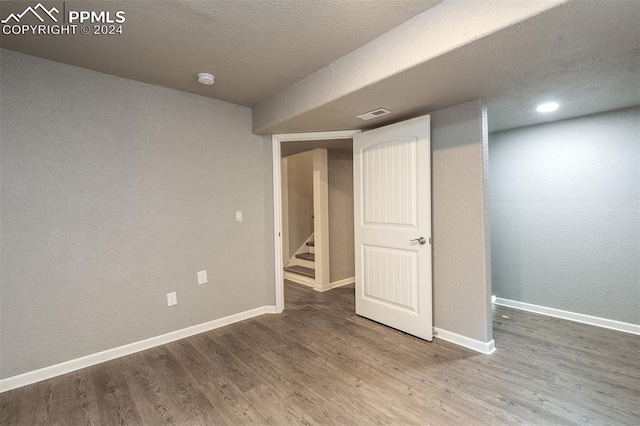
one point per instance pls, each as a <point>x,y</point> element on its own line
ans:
<point>341,246</point>
<point>300,199</point>
<point>115,193</point>
<point>461,249</point>
<point>565,221</point>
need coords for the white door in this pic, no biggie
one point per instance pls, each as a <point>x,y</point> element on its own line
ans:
<point>392,194</point>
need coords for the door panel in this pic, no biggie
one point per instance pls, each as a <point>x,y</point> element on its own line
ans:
<point>392,207</point>
<point>388,276</point>
<point>390,183</point>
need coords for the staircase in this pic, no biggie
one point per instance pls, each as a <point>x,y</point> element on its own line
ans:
<point>301,268</point>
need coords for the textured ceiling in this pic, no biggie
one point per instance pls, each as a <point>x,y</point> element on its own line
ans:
<point>254,48</point>
<point>583,54</point>
<point>314,65</point>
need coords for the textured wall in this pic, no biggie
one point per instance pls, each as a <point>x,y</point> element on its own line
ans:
<point>341,245</point>
<point>300,196</point>
<point>114,193</point>
<point>461,253</point>
<point>565,222</point>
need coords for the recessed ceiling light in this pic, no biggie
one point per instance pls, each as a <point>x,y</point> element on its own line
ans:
<point>547,107</point>
<point>206,78</point>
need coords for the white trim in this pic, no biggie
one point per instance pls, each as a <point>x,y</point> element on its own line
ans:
<point>276,140</point>
<point>625,327</point>
<point>345,281</point>
<point>277,222</point>
<point>293,260</point>
<point>315,136</point>
<point>486,348</point>
<point>311,264</point>
<point>284,187</point>
<point>270,309</point>
<point>338,283</point>
<point>86,361</point>
<point>300,279</point>
<point>321,216</point>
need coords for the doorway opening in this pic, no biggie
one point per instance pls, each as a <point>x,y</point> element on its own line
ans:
<point>391,222</point>
<point>302,241</point>
<point>317,213</point>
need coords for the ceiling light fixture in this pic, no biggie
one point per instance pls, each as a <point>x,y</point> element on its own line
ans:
<point>547,107</point>
<point>206,78</point>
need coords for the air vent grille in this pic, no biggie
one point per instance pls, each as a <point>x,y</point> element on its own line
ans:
<point>373,114</point>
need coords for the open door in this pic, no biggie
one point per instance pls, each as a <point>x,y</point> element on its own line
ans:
<point>392,195</point>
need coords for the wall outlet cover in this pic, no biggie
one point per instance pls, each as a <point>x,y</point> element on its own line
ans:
<point>239,216</point>
<point>202,277</point>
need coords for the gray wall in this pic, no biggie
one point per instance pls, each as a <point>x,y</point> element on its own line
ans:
<point>300,196</point>
<point>114,193</point>
<point>341,245</point>
<point>461,250</point>
<point>565,222</point>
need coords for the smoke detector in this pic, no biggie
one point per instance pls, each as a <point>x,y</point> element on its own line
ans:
<point>206,78</point>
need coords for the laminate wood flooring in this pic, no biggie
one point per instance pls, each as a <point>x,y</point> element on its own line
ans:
<point>319,363</point>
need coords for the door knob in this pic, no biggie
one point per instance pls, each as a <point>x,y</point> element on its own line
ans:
<point>421,240</point>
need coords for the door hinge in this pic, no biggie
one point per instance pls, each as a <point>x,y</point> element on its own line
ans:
<point>430,240</point>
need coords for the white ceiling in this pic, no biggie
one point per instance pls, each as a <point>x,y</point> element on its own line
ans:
<point>584,53</point>
<point>254,48</point>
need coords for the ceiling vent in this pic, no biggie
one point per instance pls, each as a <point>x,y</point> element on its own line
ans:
<point>373,114</point>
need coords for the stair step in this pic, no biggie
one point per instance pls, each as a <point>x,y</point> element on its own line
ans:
<point>306,256</point>
<point>301,270</point>
<point>311,243</point>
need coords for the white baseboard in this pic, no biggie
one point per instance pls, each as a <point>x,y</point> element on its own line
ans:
<point>467,342</point>
<point>571,316</point>
<point>271,309</point>
<point>96,358</point>
<point>310,282</point>
<point>299,279</point>
<point>338,283</point>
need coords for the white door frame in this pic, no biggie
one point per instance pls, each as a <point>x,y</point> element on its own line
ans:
<point>276,141</point>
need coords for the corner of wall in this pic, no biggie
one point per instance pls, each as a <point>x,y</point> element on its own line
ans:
<point>487,216</point>
<point>461,245</point>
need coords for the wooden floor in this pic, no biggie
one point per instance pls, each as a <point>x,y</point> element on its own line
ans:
<point>319,363</point>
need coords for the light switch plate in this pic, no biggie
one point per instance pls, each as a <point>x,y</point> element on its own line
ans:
<point>202,277</point>
<point>238,215</point>
<point>172,299</point>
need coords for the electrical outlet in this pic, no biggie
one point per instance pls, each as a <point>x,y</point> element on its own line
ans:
<point>202,277</point>
<point>172,299</point>
<point>239,216</point>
